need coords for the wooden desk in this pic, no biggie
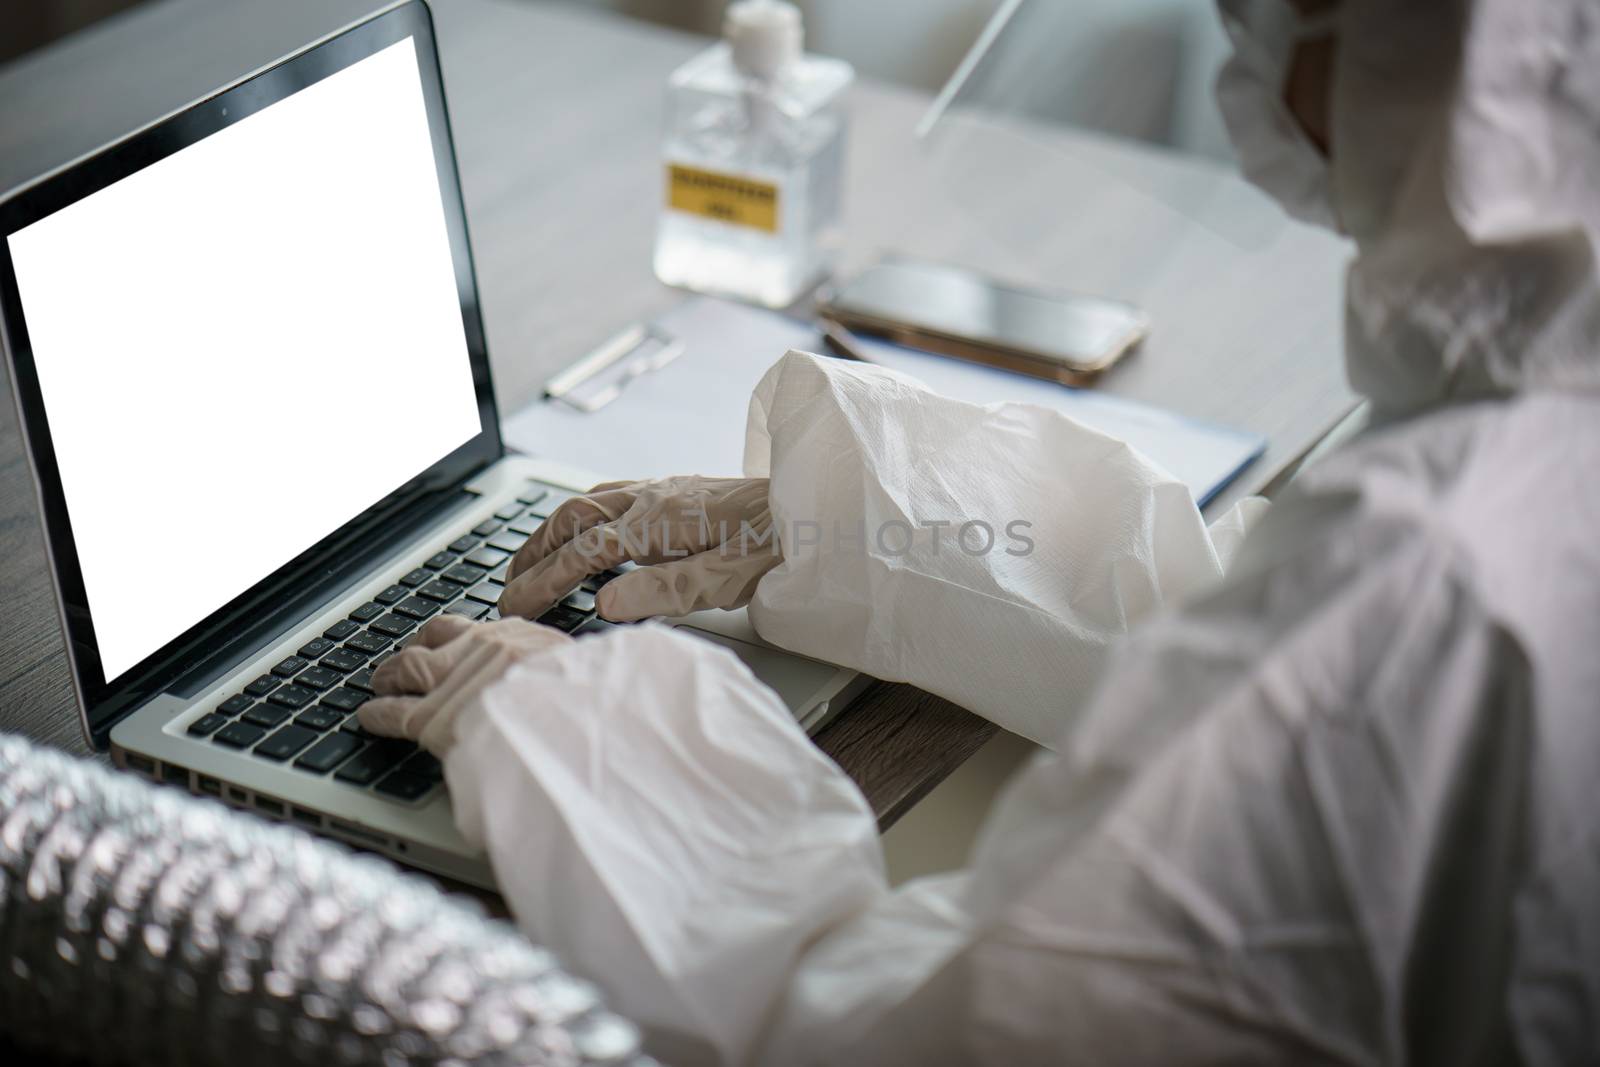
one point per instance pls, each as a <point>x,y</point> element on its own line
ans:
<point>556,113</point>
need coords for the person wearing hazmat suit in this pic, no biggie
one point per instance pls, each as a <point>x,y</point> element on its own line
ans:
<point>1319,785</point>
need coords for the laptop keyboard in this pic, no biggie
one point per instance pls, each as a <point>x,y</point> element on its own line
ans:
<point>302,712</point>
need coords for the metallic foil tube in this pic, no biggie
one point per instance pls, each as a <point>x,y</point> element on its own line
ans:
<point>139,925</point>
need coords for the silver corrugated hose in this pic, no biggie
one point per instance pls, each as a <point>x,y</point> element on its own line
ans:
<point>139,925</point>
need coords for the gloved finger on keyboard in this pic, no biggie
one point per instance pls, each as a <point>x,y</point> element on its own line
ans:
<point>535,591</point>
<point>440,631</point>
<point>413,671</point>
<point>392,716</point>
<point>573,517</point>
<point>717,578</point>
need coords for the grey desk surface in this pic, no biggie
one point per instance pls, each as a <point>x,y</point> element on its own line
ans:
<point>556,114</point>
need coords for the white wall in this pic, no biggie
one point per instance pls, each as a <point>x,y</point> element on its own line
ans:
<point>1137,68</point>
<point>913,42</point>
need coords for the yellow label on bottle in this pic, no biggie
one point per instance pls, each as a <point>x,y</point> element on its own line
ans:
<point>724,197</point>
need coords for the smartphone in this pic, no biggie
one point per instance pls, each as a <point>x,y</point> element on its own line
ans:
<point>963,314</point>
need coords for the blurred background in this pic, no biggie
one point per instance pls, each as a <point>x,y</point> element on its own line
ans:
<point>29,24</point>
<point>1140,69</point>
<point>1137,68</point>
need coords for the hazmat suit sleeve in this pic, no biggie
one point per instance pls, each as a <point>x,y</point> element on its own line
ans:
<point>1225,859</point>
<point>989,554</point>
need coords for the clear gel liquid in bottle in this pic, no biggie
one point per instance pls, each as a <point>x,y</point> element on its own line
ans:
<point>754,161</point>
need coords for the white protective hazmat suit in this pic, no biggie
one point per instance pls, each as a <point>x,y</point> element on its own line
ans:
<point>1334,808</point>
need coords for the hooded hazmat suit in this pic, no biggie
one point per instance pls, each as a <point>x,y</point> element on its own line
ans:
<point>1336,807</point>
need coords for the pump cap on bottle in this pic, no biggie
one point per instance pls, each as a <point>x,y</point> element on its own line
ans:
<point>764,36</point>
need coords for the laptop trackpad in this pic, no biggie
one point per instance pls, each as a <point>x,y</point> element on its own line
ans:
<point>797,681</point>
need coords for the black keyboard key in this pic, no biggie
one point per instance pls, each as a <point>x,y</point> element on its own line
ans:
<point>343,660</point>
<point>464,543</point>
<point>319,718</point>
<point>498,575</point>
<point>318,678</point>
<point>328,753</point>
<point>392,594</point>
<point>361,680</point>
<point>262,686</point>
<point>345,699</point>
<point>443,592</point>
<point>487,558</point>
<point>265,715</point>
<point>403,785</point>
<point>368,643</point>
<point>507,542</point>
<point>533,494</point>
<point>367,612</point>
<point>596,582</point>
<point>293,696</point>
<point>234,705</point>
<point>416,607</point>
<point>340,630</point>
<point>412,579</point>
<point>486,592</point>
<point>510,511</point>
<point>425,765</point>
<point>548,504</point>
<point>290,667</point>
<point>391,625</point>
<point>467,609</point>
<point>285,743</point>
<point>207,724</point>
<point>563,618</point>
<point>239,735</point>
<point>577,600</point>
<point>486,527</point>
<point>526,526</point>
<point>315,647</point>
<point>374,761</point>
<point>439,561</point>
<point>463,574</point>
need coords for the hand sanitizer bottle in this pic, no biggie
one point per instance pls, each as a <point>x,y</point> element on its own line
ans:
<point>754,155</point>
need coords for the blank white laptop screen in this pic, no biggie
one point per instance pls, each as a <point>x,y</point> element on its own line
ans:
<point>245,345</point>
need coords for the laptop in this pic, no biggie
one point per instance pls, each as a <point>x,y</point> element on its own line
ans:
<point>250,369</point>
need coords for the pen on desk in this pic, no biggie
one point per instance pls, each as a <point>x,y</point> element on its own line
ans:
<point>842,343</point>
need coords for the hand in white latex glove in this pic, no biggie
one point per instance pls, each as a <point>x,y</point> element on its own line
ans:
<point>705,542</point>
<point>423,689</point>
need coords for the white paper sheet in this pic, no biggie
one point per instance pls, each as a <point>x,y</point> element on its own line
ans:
<point>689,417</point>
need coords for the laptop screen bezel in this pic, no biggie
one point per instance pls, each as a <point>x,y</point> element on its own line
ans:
<point>104,701</point>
